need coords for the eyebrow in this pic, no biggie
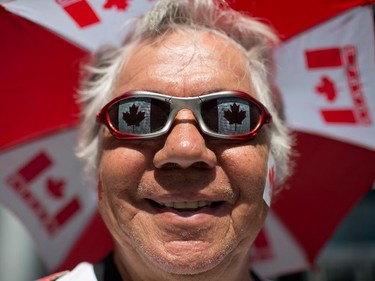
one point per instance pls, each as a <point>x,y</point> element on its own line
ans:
<point>201,94</point>
<point>213,91</point>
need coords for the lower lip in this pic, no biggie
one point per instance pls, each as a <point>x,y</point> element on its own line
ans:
<point>188,213</point>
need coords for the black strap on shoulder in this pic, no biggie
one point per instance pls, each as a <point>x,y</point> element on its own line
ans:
<point>106,270</point>
<point>255,277</point>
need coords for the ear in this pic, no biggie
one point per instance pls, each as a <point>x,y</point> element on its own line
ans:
<point>100,188</point>
<point>268,189</point>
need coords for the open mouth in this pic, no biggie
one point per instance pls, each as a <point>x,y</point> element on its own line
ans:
<point>189,206</point>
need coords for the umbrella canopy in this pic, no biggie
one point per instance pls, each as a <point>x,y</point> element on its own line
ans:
<point>325,70</point>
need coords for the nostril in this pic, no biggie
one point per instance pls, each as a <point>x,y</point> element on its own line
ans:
<point>170,166</point>
<point>200,165</point>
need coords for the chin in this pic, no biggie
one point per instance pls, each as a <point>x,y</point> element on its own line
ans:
<point>177,267</point>
<point>190,263</point>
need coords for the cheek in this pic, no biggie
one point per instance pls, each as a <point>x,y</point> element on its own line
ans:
<point>120,172</point>
<point>246,168</point>
<point>122,165</point>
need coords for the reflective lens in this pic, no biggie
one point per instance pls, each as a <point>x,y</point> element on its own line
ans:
<point>138,115</point>
<point>228,115</point>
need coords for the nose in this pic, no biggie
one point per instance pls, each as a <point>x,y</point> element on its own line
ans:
<point>185,146</point>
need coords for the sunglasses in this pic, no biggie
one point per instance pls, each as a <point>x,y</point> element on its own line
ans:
<point>232,115</point>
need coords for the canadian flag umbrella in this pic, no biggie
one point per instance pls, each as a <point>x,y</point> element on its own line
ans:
<point>326,70</point>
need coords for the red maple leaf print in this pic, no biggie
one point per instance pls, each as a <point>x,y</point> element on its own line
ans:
<point>119,4</point>
<point>55,187</point>
<point>327,88</point>
<point>133,117</point>
<point>234,115</point>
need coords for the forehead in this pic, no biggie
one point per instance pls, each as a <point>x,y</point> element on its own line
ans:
<point>185,60</point>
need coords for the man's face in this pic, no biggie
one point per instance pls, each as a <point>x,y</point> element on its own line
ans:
<point>183,203</point>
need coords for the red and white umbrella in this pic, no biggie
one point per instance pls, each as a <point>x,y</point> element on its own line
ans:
<point>326,70</point>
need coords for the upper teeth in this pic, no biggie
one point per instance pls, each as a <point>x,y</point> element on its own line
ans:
<point>186,205</point>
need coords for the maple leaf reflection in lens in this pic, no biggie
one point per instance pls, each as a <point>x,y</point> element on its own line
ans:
<point>234,115</point>
<point>133,117</point>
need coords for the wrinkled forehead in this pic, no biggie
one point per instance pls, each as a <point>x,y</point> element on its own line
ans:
<point>191,44</point>
<point>183,53</point>
<point>194,37</point>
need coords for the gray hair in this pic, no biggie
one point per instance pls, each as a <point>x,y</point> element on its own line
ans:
<point>256,40</point>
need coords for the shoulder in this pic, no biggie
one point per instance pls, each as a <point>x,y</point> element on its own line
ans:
<point>82,272</point>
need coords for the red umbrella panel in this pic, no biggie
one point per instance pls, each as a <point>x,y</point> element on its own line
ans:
<point>325,74</point>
